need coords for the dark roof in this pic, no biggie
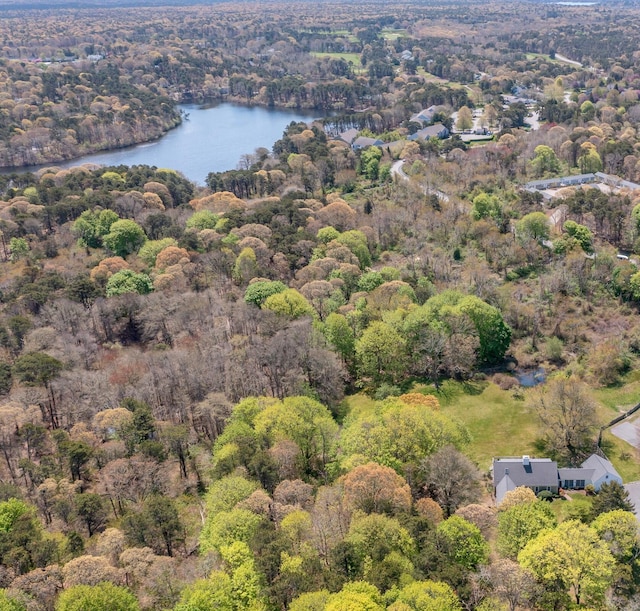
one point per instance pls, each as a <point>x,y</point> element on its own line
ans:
<point>575,473</point>
<point>433,131</point>
<point>349,136</point>
<point>363,141</point>
<point>539,472</point>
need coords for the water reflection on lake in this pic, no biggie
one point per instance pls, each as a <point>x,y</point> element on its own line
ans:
<point>212,139</point>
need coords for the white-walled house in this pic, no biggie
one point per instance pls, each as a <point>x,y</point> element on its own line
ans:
<point>543,474</point>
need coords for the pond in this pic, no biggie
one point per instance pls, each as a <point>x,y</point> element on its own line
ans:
<point>210,139</point>
<point>530,377</point>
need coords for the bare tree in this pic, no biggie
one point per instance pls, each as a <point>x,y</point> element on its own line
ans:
<point>567,414</point>
<point>451,479</point>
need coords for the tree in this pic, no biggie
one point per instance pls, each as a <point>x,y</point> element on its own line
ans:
<point>310,601</point>
<point>246,266</point>
<point>102,597</point>
<point>399,436</point>
<point>19,248</point>
<point>152,248</point>
<point>205,594</point>
<point>203,219</point>
<point>9,603</point>
<point>589,159</point>
<point>533,226</point>
<point>36,368</point>
<point>39,369</point>
<point>340,334</point>
<point>305,422</point>
<point>157,526</point>
<point>91,227</point>
<point>494,334</point>
<point>545,161</point>
<point>517,496</point>
<point>486,206</point>
<point>228,527</point>
<point>464,121</point>
<point>355,596</point>
<point>580,233</point>
<point>510,582</point>
<point>567,414</point>
<point>427,596</point>
<point>125,236</point>
<point>376,536</point>
<point>91,510</point>
<point>463,541</point>
<point>128,281</point>
<point>370,162</point>
<point>83,290</point>
<point>257,292</point>
<point>519,524</point>
<point>571,558</point>
<point>11,511</point>
<point>380,353</point>
<point>374,488</point>
<point>288,303</point>
<point>225,493</point>
<point>610,497</point>
<point>619,529</point>
<point>451,479</point>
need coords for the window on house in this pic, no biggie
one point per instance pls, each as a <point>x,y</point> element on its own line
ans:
<point>579,483</point>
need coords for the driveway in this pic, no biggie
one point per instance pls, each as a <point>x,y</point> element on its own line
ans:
<point>629,432</point>
<point>398,172</point>
<point>633,488</point>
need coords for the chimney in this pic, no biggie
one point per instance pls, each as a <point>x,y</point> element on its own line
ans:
<point>525,461</point>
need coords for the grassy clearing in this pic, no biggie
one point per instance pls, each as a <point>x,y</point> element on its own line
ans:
<point>499,422</point>
<point>501,425</point>
<point>436,79</point>
<point>353,58</point>
<point>621,397</point>
<point>389,34</point>
<point>566,510</point>
<point>531,56</point>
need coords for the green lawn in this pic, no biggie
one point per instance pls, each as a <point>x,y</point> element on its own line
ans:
<point>564,509</point>
<point>354,58</point>
<point>542,55</point>
<point>501,425</point>
<point>621,396</point>
<point>389,34</point>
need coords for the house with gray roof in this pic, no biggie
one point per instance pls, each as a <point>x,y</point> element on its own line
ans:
<point>603,471</point>
<point>424,116</point>
<point>362,142</point>
<point>433,131</point>
<point>543,474</point>
<point>536,473</point>
<point>349,136</point>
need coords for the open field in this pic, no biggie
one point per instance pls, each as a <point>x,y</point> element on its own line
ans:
<point>353,58</point>
<point>389,34</point>
<point>501,424</point>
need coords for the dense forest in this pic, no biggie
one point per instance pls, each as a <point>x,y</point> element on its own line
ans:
<point>283,390</point>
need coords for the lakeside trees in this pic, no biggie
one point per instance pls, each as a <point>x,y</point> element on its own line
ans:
<point>174,359</point>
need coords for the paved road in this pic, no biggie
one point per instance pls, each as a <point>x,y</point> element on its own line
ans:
<point>629,432</point>
<point>566,60</point>
<point>633,488</point>
<point>400,174</point>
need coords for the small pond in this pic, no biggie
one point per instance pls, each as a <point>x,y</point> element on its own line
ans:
<point>530,377</point>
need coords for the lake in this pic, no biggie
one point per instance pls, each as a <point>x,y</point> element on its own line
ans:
<point>210,139</point>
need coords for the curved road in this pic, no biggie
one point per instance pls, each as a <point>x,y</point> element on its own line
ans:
<point>397,171</point>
